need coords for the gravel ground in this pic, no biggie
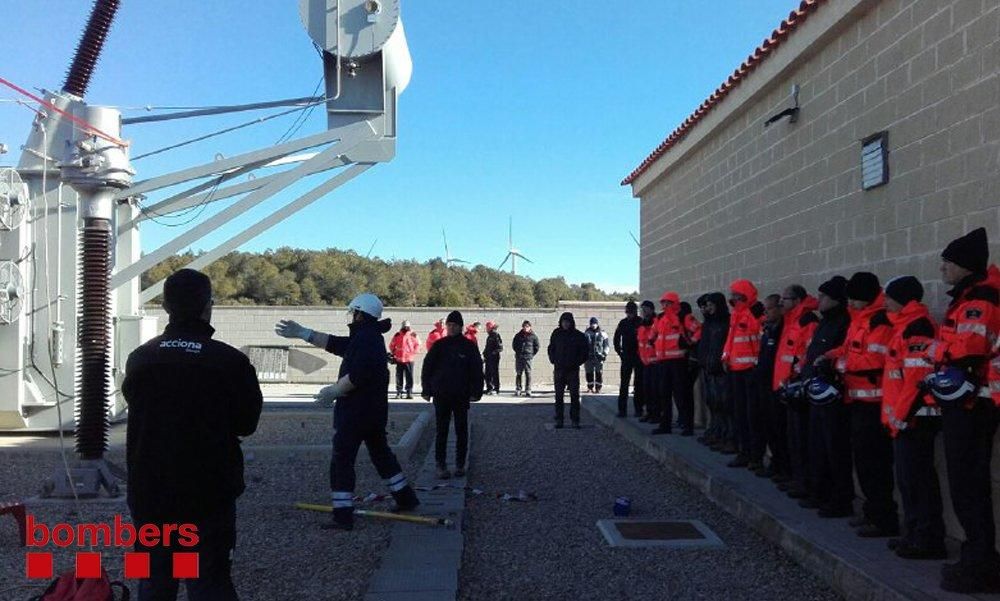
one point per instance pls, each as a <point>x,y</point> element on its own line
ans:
<point>552,549</point>
<point>281,552</point>
<point>313,427</point>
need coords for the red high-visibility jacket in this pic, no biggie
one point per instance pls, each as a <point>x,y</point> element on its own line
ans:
<point>799,325</point>
<point>969,331</point>
<point>743,342</point>
<point>646,336</point>
<point>862,356</point>
<point>693,328</point>
<point>669,331</point>
<point>906,365</point>
<point>436,334</point>
<point>404,346</point>
<point>993,374</point>
<point>471,333</point>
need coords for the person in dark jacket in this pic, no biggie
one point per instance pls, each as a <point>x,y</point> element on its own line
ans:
<point>362,405</point>
<point>189,398</point>
<point>714,332</point>
<point>597,343</point>
<point>567,352</point>
<point>491,358</point>
<point>452,376</point>
<point>831,468</point>
<point>627,347</point>
<point>525,346</point>
<point>772,423</point>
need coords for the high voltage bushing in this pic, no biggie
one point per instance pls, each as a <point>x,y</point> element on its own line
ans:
<point>89,48</point>
<point>94,340</point>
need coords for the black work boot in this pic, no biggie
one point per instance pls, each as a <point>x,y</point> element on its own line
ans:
<point>406,499</point>
<point>343,519</point>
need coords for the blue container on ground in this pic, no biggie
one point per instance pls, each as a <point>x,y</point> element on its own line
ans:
<point>623,506</point>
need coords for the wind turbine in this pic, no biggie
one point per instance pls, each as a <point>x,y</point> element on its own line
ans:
<point>512,253</point>
<point>448,260</point>
<point>634,239</point>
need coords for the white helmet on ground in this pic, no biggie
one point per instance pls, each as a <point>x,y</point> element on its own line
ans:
<point>367,303</point>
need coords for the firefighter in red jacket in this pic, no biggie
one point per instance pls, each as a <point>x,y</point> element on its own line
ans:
<point>969,415</point>
<point>739,357</point>
<point>404,346</point>
<point>800,323</point>
<point>646,335</point>
<point>861,360</point>
<point>671,351</point>
<point>913,420</point>
<point>436,334</point>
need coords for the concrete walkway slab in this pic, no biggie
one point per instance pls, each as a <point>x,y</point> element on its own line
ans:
<point>422,562</point>
<point>855,567</point>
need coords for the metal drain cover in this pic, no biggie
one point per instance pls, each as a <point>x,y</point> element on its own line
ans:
<point>674,534</point>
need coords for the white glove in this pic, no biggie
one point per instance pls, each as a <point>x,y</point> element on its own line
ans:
<point>328,394</point>
<point>291,329</point>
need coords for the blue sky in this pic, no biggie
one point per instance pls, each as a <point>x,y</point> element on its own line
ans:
<point>534,110</point>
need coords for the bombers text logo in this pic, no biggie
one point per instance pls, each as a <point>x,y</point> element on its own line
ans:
<point>187,345</point>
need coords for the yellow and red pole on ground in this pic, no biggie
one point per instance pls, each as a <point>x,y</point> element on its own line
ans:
<point>384,515</point>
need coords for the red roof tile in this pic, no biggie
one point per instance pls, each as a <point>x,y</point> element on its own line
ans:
<point>787,26</point>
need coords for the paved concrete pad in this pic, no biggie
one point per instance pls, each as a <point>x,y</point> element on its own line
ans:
<point>855,567</point>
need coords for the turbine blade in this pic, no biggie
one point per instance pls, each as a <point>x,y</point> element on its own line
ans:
<point>509,255</point>
<point>634,239</point>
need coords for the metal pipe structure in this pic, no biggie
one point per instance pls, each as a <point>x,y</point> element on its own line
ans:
<point>75,153</point>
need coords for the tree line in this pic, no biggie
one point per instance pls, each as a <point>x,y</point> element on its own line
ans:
<point>291,276</point>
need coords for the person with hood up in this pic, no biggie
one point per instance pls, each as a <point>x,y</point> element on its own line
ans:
<point>829,421</point>
<point>971,323</point>
<point>913,420</point>
<point>525,346</point>
<point>714,388</point>
<point>404,346</point>
<point>491,358</point>
<point>627,348</point>
<point>436,334</point>
<point>598,345</point>
<point>472,333</point>
<point>671,350</point>
<point>567,352</point>
<point>362,405</point>
<point>646,342</point>
<point>861,360</point>
<point>798,324</point>
<point>740,357</point>
<point>452,375</point>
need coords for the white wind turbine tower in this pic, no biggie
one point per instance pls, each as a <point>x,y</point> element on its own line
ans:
<point>448,260</point>
<point>512,253</point>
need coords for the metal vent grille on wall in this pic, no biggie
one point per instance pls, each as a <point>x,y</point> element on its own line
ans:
<point>875,161</point>
<point>271,362</point>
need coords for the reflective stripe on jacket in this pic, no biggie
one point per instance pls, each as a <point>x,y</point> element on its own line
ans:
<point>862,356</point>
<point>799,325</point>
<point>906,365</point>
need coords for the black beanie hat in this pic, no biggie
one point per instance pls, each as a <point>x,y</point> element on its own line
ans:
<point>863,286</point>
<point>631,307</point>
<point>835,288</point>
<point>971,251</point>
<point>904,289</point>
<point>455,317</point>
<point>185,294</point>
<point>649,303</point>
<point>702,300</point>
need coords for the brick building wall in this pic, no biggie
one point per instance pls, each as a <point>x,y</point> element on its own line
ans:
<point>784,204</point>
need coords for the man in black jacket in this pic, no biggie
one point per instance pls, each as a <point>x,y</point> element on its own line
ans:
<point>362,405</point>
<point>714,331</point>
<point>627,346</point>
<point>525,346</point>
<point>772,428</point>
<point>567,352</point>
<point>491,357</point>
<point>452,375</point>
<point>832,470</point>
<point>190,398</point>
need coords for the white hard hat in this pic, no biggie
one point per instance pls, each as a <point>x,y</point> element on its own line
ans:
<point>367,303</point>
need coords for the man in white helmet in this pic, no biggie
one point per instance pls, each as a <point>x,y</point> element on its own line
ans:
<point>362,405</point>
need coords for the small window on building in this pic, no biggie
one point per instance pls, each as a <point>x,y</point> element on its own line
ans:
<point>875,160</point>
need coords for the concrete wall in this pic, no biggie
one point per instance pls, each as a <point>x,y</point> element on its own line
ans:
<point>249,326</point>
<point>784,204</point>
